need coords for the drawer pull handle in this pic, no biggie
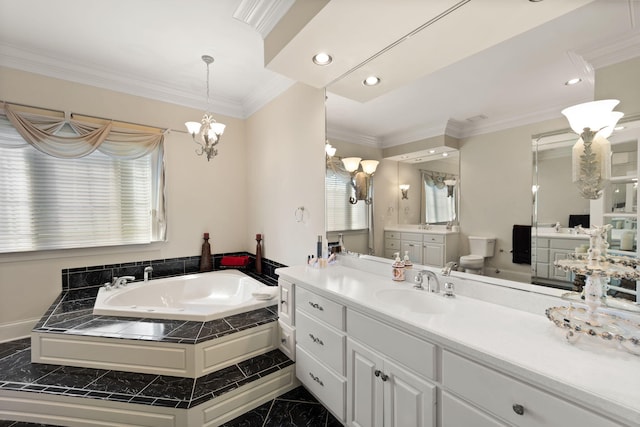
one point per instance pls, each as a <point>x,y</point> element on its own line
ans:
<point>316,379</point>
<point>316,306</point>
<point>316,340</point>
<point>379,373</point>
<point>518,409</point>
<point>283,340</point>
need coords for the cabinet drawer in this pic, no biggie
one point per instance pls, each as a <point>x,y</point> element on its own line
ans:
<point>570,244</point>
<point>329,388</point>
<point>393,244</point>
<point>285,302</point>
<point>325,343</point>
<point>456,413</point>
<point>392,235</point>
<point>412,352</point>
<point>433,238</point>
<point>417,237</point>
<point>320,308</point>
<point>287,340</point>
<point>472,382</point>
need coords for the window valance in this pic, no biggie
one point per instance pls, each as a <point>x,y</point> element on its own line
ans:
<point>41,129</point>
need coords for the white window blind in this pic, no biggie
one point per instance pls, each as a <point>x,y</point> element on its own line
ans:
<point>51,203</point>
<point>342,215</point>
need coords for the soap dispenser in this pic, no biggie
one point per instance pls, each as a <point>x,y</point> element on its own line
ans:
<point>407,261</point>
<point>398,269</point>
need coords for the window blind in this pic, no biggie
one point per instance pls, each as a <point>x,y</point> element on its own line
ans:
<point>52,203</point>
<point>342,215</point>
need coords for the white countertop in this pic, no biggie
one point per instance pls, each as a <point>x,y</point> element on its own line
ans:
<point>603,378</point>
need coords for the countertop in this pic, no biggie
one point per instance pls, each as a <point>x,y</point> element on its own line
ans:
<point>600,377</point>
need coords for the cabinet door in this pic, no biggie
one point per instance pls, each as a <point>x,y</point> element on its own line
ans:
<point>433,255</point>
<point>456,413</point>
<point>410,401</point>
<point>364,387</point>
<point>557,273</point>
<point>286,303</point>
<point>414,249</point>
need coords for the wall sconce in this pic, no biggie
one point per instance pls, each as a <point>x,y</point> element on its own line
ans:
<point>360,180</point>
<point>451,185</point>
<point>404,189</point>
<point>591,156</point>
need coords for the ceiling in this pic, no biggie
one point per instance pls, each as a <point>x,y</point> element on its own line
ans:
<point>447,66</point>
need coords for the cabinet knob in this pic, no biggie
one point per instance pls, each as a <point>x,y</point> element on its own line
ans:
<point>381,375</point>
<point>518,409</point>
<point>316,306</point>
<point>377,372</point>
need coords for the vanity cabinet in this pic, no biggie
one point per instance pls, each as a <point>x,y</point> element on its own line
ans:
<point>321,348</point>
<point>548,251</point>
<point>432,249</point>
<point>382,389</point>
<point>494,398</point>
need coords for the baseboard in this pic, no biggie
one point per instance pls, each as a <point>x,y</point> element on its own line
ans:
<point>15,330</point>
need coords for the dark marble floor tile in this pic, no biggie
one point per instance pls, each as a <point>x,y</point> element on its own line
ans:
<point>253,418</point>
<point>18,368</point>
<point>298,394</point>
<point>10,347</point>
<point>263,362</point>
<point>166,387</point>
<point>128,383</point>
<point>255,316</point>
<point>286,413</point>
<point>213,327</point>
<point>70,376</point>
<point>23,424</point>
<point>217,380</point>
<point>188,330</point>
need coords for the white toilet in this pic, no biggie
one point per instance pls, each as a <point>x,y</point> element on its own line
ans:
<point>481,248</point>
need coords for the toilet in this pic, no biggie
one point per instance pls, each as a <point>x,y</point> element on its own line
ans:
<point>481,248</point>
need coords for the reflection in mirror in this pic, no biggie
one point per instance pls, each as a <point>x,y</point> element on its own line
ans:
<point>438,197</point>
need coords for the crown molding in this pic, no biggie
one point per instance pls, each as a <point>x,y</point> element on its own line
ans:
<point>262,15</point>
<point>43,64</point>
<point>613,50</point>
<point>347,135</point>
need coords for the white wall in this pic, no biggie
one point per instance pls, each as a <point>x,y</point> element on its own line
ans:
<point>285,170</point>
<point>202,196</point>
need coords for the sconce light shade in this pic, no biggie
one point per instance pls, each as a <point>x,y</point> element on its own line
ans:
<point>591,155</point>
<point>404,189</point>
<point>351,163</point>
<point>329,149</point>
<point>369,166</point>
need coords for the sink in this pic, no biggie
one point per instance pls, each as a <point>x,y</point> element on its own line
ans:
<point>415,301</point>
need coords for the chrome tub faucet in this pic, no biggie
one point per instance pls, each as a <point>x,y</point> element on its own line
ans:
<point>147,273</point>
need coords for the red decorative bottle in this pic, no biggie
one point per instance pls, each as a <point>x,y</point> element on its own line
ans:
<point>205,258</point>
<point>258,254</point>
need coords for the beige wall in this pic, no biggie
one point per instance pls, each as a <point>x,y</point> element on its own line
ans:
<point>285,169</point>
<point>261,173</point>
<point>620,81</point>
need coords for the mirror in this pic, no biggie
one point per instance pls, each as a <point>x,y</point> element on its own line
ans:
<point>557,201</point>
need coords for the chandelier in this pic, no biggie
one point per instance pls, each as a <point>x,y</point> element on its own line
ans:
<point>207,132</point>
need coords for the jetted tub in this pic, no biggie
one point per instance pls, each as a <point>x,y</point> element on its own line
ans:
<point>198,297</point>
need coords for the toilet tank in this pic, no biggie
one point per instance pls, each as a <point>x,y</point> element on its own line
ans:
<point>483,246</point>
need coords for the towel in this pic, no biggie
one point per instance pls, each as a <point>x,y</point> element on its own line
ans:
<point>521,243</point>
<point>265,293</point>
<point>234,261</point>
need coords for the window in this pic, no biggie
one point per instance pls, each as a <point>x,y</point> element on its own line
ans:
<point>97,200</point>
<point>342,215</point>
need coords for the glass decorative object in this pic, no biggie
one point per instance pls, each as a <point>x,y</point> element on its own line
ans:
<point>597,314</point>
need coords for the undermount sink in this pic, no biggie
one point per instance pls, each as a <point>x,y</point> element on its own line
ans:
<point>415,301</point>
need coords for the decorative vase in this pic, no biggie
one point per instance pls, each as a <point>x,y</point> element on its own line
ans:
<point>258,254</point>
<point>205,257</point>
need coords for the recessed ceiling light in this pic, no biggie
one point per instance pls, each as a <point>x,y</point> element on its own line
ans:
<point>573,81</point>
<point>445,154</point>
<point>322,58</point>
<point>371,81</point>
<point>432,151</point>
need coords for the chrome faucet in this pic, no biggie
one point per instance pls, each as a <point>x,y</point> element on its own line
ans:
<point>147,272</point>
<point>121,281</point>
<point>430,274</point>
<point>446,271</point>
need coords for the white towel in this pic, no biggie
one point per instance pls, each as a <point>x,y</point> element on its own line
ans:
<point>265,293</point>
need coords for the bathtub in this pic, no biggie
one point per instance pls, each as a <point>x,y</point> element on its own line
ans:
<point>198,297</point>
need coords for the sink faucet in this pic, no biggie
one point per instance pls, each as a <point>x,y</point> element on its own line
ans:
<point>430,274</point>
<point>446,271</point>
<point>147,271</point>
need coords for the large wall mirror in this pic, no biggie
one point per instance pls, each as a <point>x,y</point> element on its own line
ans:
<point>558,206</point>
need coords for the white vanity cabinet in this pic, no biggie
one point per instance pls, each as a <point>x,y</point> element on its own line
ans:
<point>551,249</point>
<point>382,389</point>
<point>433,249</point>
<point>320,349</point>
<point>480,396</point>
